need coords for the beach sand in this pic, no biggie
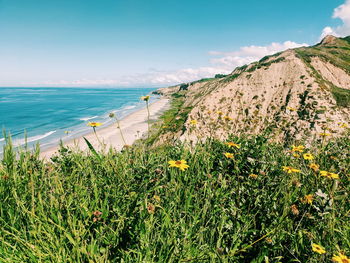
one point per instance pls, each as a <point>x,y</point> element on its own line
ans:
<point>134,126</point>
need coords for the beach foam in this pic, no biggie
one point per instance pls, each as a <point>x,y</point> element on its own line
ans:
<point>19,142</point>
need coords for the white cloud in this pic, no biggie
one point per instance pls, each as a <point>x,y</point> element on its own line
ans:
<point>342,12</point>
<point>249,54</point>
<point>220,63</point>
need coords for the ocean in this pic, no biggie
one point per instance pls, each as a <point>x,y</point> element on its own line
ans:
<point>43,115</point>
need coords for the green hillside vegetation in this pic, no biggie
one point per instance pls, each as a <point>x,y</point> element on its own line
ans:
<point>133,207</point>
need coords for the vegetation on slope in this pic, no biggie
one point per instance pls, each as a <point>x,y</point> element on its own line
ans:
<point>133,207</point>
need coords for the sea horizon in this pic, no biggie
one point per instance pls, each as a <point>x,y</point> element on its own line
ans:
<point>46,115</point>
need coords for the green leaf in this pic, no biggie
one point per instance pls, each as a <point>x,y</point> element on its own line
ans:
<point>92,149</point>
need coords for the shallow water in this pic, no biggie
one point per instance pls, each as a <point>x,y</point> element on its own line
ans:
<point>44,114</point>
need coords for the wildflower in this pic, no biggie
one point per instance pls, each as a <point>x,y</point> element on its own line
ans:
<point>299,148</point>
<point>290,170</point>
<point>329,175</point>
<point>164,126</point>
<point>296,183</point>
<point>340,258</point>
<point>97,213</point>
<point>307,199</point>
<point>308,156</point>
<point>324,134</point>
<point>94,124</point>
<point>145,98</point>
<point>296,155</point>
<point>343,125</point>
<point>181,164</point>
<point>294,210</point>
<point>229,155</point>
<point>156,198</point>
<point>232,144</point>
<point>254,176</point>
<point>227,118</point>
<point>268,240</point>
<point>291,108</point>
<point>193,122</point>
<point>151,208</point>
<point>333,158</point>
<point>314,166</point>
<point>219,112</point>
<point>318,249</point>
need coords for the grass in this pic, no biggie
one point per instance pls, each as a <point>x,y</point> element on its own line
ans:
<point>131,207</point>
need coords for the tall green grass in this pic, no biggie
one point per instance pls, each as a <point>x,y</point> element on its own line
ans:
<point>131,207</point>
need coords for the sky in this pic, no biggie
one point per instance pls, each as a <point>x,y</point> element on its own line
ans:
<point>152,42</point>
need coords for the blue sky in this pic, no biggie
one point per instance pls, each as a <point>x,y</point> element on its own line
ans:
<point>151,42</point>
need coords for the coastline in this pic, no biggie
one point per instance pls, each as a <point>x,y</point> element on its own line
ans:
<point>134,126</point>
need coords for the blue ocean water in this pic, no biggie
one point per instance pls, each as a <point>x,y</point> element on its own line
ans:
<point>44,114</point>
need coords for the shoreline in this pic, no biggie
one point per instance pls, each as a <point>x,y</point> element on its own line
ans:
<point>134,126</point>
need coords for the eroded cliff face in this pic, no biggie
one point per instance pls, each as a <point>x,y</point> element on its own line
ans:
<point>298,94</point>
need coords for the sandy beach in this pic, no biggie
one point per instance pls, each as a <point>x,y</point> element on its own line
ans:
<point>133,126</point>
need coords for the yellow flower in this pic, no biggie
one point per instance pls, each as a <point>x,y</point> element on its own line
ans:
<point>329,175</point>
<point>181,164</point>
<point>219,112</point>
<point>314,166</point>
<point>307,199</point>
<point>94,124</point>
<point>340,258</point>
<point>324,134</point>
<point>308,156</point>
<point>145,98</point>
<point>254,176</point>
<point>157,198</point>
<point>193,122</point>
<point>296,155</point>
<point>229,155</point>
<point>291,109</point>
<point>290,170</point>
<point>299,148</point>
<point>232,144</point>
<point>318,249</point>
<point>343,125</point>
<point>227,118</point>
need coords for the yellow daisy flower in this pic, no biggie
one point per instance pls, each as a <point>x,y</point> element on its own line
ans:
<point>340,258</point>
<point>94,124</point>
<point>227,118</point>
<point>329,175</point>
<point>290,170</point>
<point>229,155</point>
<point>307,199</point>
<point>181,164</point>
<point>193,122</point>
<point>254,176</point>
<point>314,166</point>
<point>145,98</point>
<point>219,112</point>
<point>308,156</point>
<point>299,148</point>
<point>232,144</point>
<point>291,108</point>
<point>324,134</point>
<point>318,249</point>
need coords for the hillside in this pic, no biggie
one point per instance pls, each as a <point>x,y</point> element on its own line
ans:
<point>298,94</point>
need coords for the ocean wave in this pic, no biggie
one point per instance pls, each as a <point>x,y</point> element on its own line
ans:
<point>19,142</point>
<point>2,139</point>
<point>129,107</point>
<point>88,118</point>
